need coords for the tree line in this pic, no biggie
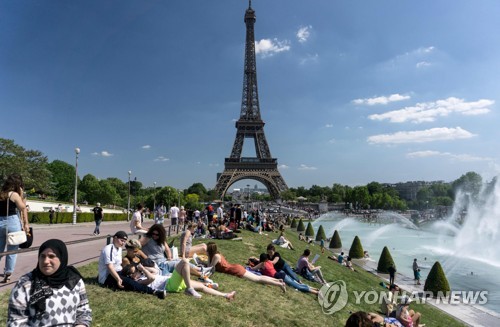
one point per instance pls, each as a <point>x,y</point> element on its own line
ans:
<point>57,179</point>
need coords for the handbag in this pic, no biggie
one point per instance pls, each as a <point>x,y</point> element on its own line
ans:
<point>29,240</point>
<point>15,238</point>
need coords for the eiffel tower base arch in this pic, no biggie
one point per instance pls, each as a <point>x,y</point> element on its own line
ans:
<point>271,179</point>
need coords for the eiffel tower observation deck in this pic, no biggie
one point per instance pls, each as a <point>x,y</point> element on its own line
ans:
<point>250,126</point>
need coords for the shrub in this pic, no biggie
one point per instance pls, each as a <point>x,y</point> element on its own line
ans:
<point>67,217</point>
<point>294,223</point>
<point>356,251</point>
<point>320,235</point>
<point>436,280</point>
<point>385,261</point>
<point>336,242</point>
<point>301,227</point>
<point>309,230</point>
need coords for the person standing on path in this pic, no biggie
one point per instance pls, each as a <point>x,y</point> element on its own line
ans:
<point>98,217</point>
<point>51,215</point>
<point>174,215</point>
<point>392,274</point>
<point>160,212</point>
<point>415,269</point>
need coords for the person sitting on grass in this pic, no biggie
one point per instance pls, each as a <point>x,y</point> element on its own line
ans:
<point>365,319</point>
<point>218,261</point>
<point>308,270</point>
<point>186,239</point>
<point>408,318</point>
<point>280,264</point>
<point>283,242</point>
<point>178,281</point>
<point>134,255</point>
<point>389,303</point>
<point>266,267</point>
<point>110,268</point>
<point>348,263</point>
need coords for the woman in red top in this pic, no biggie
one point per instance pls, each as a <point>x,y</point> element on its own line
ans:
<point>216,260</point>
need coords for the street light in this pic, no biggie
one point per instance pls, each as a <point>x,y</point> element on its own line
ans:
<point>128,205</point>
<point>179,205</point>
<point>154,195</point>
<point>248,202</point>
<point>77,152</point>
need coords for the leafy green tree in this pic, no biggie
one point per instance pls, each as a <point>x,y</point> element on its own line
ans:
<point>107,193</point>
<point>436,280</point>
<point>336,242</point>
<point>356,251</point>
<point>361,196</point>
<point>288,195</point>
<point>120,187</point>
<point>320,235</point>
<point>30,164</point>
<point>471,183</point>
<point>92,189</point>
<point>309,230</point>
<point>197,188</point>
<point>63,177</point>
<point>385,261</point>
<point>301,227</point>
<point>193,201</point>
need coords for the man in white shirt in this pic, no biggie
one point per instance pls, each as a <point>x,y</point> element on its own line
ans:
<point>220,212</point>
<point>174,215</point>
<point>135,222</point>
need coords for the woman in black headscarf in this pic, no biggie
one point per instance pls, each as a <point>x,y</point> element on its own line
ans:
<point>53,294</point>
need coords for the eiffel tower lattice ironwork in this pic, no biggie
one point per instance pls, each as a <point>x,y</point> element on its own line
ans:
<point>262,167</point>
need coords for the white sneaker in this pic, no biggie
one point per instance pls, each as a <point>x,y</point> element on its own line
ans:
<point>195,259</point>
<point>205,279</point>
<point>207,272</point>
<point>193,293</point>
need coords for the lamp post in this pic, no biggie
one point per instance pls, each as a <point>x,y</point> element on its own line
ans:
<point>154,195</point>
<point>248,202</point>
<point>77,152</point>
<point>179,203</point>
<point>128,203</point>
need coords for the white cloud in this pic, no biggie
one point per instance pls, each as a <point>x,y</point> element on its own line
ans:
<point>428,111</point>
<point>429,135</point>
<point>309,58</point>
<point>283,166</point>
<point>303,33</point>
<point>332,141</point>
<point>455,157</point>
<point>305,167</point>
<point>146,147</point>
<point>329,125</point>
<point>102,154</point>
<point>381,100</point>
<point>162,159</point>
<point>423,64</point>
<point>268,47</point>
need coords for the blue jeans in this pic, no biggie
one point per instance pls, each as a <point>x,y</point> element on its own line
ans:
<point>8,225</point>
<point>97,224</point>
<point>289,271</point>
<point>290,282</point>
<point>167,267</point>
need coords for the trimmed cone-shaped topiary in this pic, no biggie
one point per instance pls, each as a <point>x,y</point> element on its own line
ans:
<point>385,261</point>
<point>294,223</point>
<point>436,281</point>
<point>320,235</point>
<point>300,226</point>
<point>336,242</point>
<point>356,251</point>
<point>309,230</point>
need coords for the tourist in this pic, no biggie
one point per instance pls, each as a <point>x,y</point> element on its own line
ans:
<point>280,264</point>
<point>217,260</point>
<point>154,245</point>
<point>415,269</point>
<point>51,215</point>
<point>348,263</point>
<point>220,212</point>
<point>160,212</point>
<point>408,318</point>
<point>177,282</point>
<point>417,277</point>
<point>389,301</point>
<point>186,243</point>
<point>135,223</point>
<point>53,294</point>
<point>308,270</point>
<point>135,256</point>
<point>322,245</point>
<point>174,215</point>
<point>266,267</point>
<point>11,198</point>
<point>98,217</point>
<point>110,268</point>
<point>340,258</point>
<point>182,216</point>
<point>392,274</point>
<point>365,319</point>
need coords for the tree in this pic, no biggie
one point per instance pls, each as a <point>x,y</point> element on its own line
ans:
<point>471,183</point>
<point>294,223</point>
<point>197,188</point>
<point>309,230</point>
<point>107,193</point>
<point>336,242</point>
<point>30,164</point>
<point>92,189</point>
<point>301,227</point>
<point>193,201</point>
<point>436,280</point>
<point>385,261</point>
<point>288,195</point>
<point>63,177</point>
<point>356,251</point>
<point>320,235</point>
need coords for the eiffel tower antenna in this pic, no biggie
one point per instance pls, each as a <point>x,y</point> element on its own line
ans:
<point>263,167</point>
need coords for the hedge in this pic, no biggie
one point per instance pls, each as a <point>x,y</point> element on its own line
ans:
<point>301,227</point>
<point>356,251</point>
<point>294,223</point>
<point>436,280</point>
<point>309,230</point>
<point>320,235</point>
<point>336,242</point>
<point>67,217</point>
<point>385,261</point>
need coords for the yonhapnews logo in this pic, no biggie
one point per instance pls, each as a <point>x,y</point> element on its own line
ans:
<point>333,297</point>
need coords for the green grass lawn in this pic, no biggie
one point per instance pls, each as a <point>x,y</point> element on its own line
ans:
<point>255,304</point>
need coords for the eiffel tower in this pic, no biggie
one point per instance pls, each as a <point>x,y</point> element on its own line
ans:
<point>263,167</point>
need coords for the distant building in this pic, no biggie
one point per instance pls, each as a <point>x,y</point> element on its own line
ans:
<point>408,190</point>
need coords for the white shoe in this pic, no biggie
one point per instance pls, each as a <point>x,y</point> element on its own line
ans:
<point>205,280</point>
<point>207,272</point>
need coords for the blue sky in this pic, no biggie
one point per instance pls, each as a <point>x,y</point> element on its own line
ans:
<point>351,91</point>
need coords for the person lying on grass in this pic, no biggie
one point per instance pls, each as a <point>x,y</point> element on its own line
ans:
<point>266,267</point>
<point>178,281</point>
<point>280,264</point>
<point>218,261</point>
